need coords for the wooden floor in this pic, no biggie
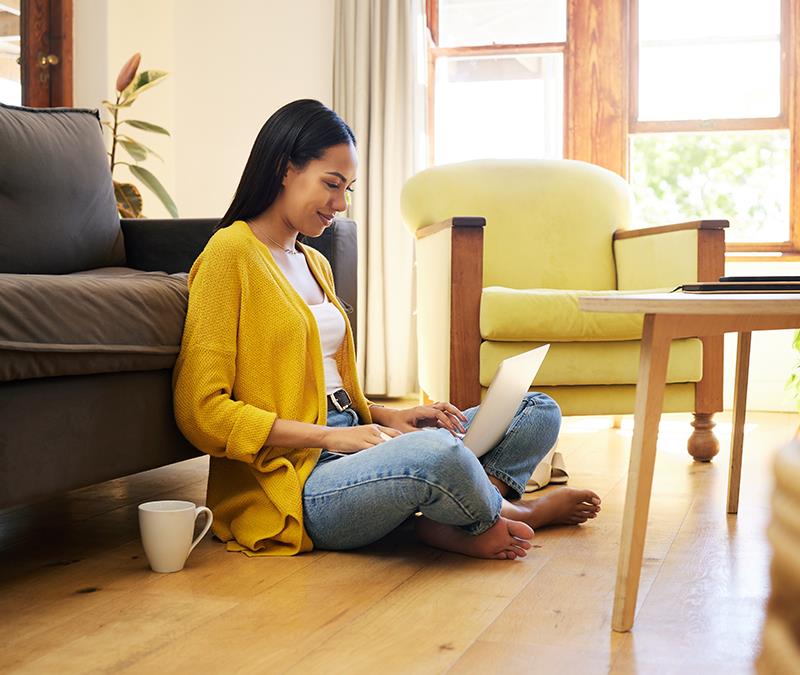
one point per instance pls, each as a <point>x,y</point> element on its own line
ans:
<point>76,594</point>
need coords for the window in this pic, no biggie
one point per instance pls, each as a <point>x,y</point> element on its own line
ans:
<point>10,85</point>
<point>695,102</point>
<point>710,130</point>
<point>496,73</point>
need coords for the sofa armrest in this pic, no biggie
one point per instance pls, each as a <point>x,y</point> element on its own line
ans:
<point>165,245</point>
<point>670,255</point>
<point>172,245</point>
<point>449,286</point>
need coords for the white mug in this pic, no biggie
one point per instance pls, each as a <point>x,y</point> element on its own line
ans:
<point>166,528</point>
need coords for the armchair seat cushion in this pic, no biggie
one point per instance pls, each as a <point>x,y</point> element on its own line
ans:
<point>594,363</point>
<point>103,320</point>
<point>553,315</point>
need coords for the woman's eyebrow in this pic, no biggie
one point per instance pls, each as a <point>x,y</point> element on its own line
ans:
<point>338,175</point>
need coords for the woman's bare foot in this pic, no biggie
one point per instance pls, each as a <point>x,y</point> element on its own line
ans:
<point>505,540</point>
<point>564,506</point>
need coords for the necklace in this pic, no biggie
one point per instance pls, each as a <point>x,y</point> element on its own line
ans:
<point>290,251</point>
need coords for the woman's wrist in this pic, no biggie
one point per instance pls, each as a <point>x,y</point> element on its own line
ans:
<point>381,414</point>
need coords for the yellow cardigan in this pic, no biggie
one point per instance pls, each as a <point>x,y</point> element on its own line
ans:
<point>251,353</point>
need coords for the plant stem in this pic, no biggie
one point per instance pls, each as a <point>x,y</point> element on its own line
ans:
<point>114,134</point>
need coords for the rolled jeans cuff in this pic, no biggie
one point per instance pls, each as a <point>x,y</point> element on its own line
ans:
<point>480,526</point>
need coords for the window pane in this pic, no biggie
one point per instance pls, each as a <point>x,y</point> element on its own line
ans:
<point>499,107</point>
<point>680,19</point>
<point>10,87</point>
<point>487,22</point>
<point>724,63</point>
<point>740,176</point>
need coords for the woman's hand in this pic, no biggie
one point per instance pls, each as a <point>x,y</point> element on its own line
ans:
<point>440,414</point>
<point>352,439</point>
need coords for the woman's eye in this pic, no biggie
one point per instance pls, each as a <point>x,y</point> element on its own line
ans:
<point>332,186</point>
<point>350,190</point>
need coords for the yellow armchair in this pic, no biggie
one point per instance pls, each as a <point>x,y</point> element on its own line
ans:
<point>506,279</point>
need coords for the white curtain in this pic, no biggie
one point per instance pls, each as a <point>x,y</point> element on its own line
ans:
<point>378,91</point>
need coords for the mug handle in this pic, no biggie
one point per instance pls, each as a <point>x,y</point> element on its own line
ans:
<point>209,519</point>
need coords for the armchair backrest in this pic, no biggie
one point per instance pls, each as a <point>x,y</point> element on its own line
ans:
<point>549,223</point>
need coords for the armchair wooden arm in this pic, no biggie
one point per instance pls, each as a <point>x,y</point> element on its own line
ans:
<point>710,245</point>
<point>466,284</point>
<point>710,266</point>
<point>690,225</point>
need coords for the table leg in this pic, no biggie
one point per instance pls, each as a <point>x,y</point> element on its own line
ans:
<point>737,435</point>
<point>647,414</point>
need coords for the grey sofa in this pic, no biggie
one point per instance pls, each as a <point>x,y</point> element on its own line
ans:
<point>92,311</point>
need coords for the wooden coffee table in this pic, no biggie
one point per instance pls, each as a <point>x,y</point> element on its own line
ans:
<point>668,316</point>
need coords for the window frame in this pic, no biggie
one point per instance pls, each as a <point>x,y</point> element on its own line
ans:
<point>786,119</point>
<point>435,52</point>
<point>600,57</point>
<point>46,29</point>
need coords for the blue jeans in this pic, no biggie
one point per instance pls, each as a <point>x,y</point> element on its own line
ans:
<point>353,500</point>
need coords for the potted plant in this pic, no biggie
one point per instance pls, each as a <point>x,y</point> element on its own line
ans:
<point>129,87</point>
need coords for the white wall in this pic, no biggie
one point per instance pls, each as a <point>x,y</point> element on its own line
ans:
<point>231,66</point>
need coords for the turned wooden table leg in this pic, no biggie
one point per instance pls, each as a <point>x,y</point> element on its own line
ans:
<point>703,444</point>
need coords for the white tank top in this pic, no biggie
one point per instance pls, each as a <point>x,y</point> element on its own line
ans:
<point>331,333</point>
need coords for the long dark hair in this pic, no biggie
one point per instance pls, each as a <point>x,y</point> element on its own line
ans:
<point>298,132</point>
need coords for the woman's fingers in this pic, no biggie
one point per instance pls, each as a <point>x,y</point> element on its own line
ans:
<point>445,421</point>
<point>450,408</point>
<point>394,433</point>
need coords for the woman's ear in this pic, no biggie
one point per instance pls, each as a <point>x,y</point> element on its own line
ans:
<point>289,175</point>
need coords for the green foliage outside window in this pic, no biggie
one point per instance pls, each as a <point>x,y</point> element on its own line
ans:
<point>739,176</point>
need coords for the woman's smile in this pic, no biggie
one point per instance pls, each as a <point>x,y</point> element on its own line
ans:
<point>326,220</point>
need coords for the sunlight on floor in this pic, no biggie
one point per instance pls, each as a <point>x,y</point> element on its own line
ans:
<point>676,425</point>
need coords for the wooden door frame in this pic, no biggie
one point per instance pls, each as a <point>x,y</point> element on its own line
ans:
<point>46,29</point>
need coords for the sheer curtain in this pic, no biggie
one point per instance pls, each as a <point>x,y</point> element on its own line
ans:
<point>378,91</point>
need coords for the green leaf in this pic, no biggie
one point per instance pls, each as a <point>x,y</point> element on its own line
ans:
<point>129,200</point>
<point>146,126</point>
<point>139,147</point>
<point>116,106</point>
<point>134,149</point>
<point>152,183</point>
<point>142,82</point>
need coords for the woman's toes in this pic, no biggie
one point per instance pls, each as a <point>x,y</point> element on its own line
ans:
<point>590,497</point>
<point>517,528</point>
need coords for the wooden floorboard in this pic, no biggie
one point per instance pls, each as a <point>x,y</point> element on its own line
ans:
<point>76,594</point>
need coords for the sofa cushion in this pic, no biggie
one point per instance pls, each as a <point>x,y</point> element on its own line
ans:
<point>553,315</point>
<point>594,363</point>
<point>103,320</point>
<point>57,208</point>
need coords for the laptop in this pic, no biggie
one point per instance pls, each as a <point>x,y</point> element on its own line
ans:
<point>751,284</point>
<point>510,383</point>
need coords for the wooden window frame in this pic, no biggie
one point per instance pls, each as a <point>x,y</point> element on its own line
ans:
<point>46,28</point>
<point>600,92</point>
<point>436,52</point>
<point>786,119</point>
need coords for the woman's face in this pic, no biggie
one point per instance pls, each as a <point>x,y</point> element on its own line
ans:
<point>313,195</point>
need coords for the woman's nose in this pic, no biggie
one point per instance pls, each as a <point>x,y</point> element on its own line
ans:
<point>339,203</point>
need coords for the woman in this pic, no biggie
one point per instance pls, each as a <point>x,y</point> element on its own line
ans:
<point>265,346</point>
